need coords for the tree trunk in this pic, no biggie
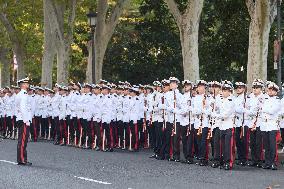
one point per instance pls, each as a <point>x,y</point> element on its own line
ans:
<point>188,24</point>
<point>262,14</point>
<point>63,59</point>
<point>5,67</point>
<point>189,44</point>
<point>257,53</point>
<point>17,46</point>
<point>100,50</point>
<point>89,66</point>
<point>63,33</point>
<point>105,27</point>
<point>49,50</point>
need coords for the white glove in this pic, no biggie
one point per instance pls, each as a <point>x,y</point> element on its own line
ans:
<point>213,115</point>
<point>203,111</point>
<point>218,116</point>
<point>162,106</point>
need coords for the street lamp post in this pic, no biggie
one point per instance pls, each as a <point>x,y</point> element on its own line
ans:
<point>92,19</point>
<point>279,75</point>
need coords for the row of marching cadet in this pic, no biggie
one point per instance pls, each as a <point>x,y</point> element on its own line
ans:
<point>209,121</point>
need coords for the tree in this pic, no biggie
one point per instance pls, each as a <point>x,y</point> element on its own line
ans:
<point>56,11</point>
<point>262,14</point>
<point>5,67</point>
<point>107,19</point>
<point>223,40</point>
<point>187,19</point>
<point>49,50</point>
<point>17,45</point>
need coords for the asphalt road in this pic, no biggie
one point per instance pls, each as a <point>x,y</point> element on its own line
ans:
<point>68,167</point>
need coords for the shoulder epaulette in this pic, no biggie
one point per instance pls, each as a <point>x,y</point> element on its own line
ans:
<point>230,99</point>
<point>108,96</point>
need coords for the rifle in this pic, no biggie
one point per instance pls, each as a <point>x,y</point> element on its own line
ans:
<point>104,136</point>
<point>242,134</point>
<point>80,138</point>
<point>130,140</point>
<point>256,117</point>
<point>175,123</point>
<point>68,134</point>
<point>201,118</point>
<point>210,133</point>
<point>145,116</point>
<point>189,114</point>
<point>164,116</point>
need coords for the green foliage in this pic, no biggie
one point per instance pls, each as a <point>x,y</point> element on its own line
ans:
<point>145,45</point>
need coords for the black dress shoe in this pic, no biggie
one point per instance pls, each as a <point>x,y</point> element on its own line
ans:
<point>264,166</point>
<point>28,163</point>
<point>259,165</point>
<point>97,148</point>
<point>153,156</point>
<point>56,143</point>
<point>177,160</point>
<point>251,164</point>
<point>110,150</point>
<point>171,159</point>
<point>273,167</point>
<point>203,163</point>
<point>227,166</point>
<point>243,163</point>
<point>62,144</point>
<point>21,163</point>
<point>189,161</point>
<point>215,165</point>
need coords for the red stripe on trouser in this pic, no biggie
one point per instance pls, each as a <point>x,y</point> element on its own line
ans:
<point>34,127</point>
<point>192,147</point>
<point>5,125</point>
<point>231,149</point>
<point>129,131</point>
<point>247,144</point>
<point>116,135</point>
<point>145,137</point>
<point>261,150</point>
<point>136,136</point>
<point>65,129</point>
<point>102,132</point>
<point>171,146</point>
<point>276,151</point>
<point>80,130</point>
<point>207,150</point>
<point>111,136</point>
<point>23,143</point>
<point>220,145</point>
<point>92,132</point>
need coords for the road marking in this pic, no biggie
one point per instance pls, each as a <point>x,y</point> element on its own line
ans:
<point>5,161</point>
<point>92,180</point>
